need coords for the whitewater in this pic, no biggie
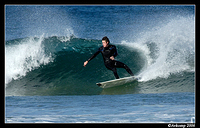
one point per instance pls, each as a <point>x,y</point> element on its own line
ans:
<point>45,47</point>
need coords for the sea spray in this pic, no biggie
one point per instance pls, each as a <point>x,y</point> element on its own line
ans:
<point>173,43</point>
<point>35,20</point>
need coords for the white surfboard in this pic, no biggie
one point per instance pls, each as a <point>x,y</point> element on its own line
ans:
<point>116,82</point>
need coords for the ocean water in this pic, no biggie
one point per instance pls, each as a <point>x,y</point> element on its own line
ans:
<point>46,45</point>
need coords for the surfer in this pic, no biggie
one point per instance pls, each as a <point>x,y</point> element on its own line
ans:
<point>109,52</point>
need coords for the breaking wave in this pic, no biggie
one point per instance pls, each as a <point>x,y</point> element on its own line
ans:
<point>163,57</point>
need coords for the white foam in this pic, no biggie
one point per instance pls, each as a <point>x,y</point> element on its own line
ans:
<point>24,57</point>
<point>192,119</point>
<point>175,43</point>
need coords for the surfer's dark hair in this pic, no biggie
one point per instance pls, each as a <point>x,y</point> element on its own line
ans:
<point>106,39</point>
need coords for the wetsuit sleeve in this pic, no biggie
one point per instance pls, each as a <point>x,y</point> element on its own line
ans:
<point>115,52</point>
<point>94,55</point>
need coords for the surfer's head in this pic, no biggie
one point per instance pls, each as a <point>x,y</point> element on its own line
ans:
<point>105,41</point>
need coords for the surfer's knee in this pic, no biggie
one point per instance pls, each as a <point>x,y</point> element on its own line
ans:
<point>114,70</point>
<point>126,67</point>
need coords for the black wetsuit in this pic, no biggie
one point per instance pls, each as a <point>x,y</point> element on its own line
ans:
<point>107,52</point>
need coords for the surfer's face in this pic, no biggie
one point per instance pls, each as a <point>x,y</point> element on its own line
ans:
<point>104,43</point>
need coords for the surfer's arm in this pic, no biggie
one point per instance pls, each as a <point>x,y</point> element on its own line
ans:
<point>114,54</point>
<point>92,57</point>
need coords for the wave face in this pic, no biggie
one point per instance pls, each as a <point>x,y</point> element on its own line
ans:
<point>54,66</point>
<point>47,45</point>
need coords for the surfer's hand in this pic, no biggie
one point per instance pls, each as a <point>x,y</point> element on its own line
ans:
<point>85,63</point>
<point>112,58</point>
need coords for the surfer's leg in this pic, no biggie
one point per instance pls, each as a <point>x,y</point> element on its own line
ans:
<point>119,64</point>
<point>115,73</point>
<point>108,66</point>
<point>128,70</point>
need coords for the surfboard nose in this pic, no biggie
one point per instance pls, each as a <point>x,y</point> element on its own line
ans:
<point>99,84</point>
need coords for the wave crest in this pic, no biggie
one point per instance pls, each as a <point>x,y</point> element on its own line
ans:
<point>168,48</point>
